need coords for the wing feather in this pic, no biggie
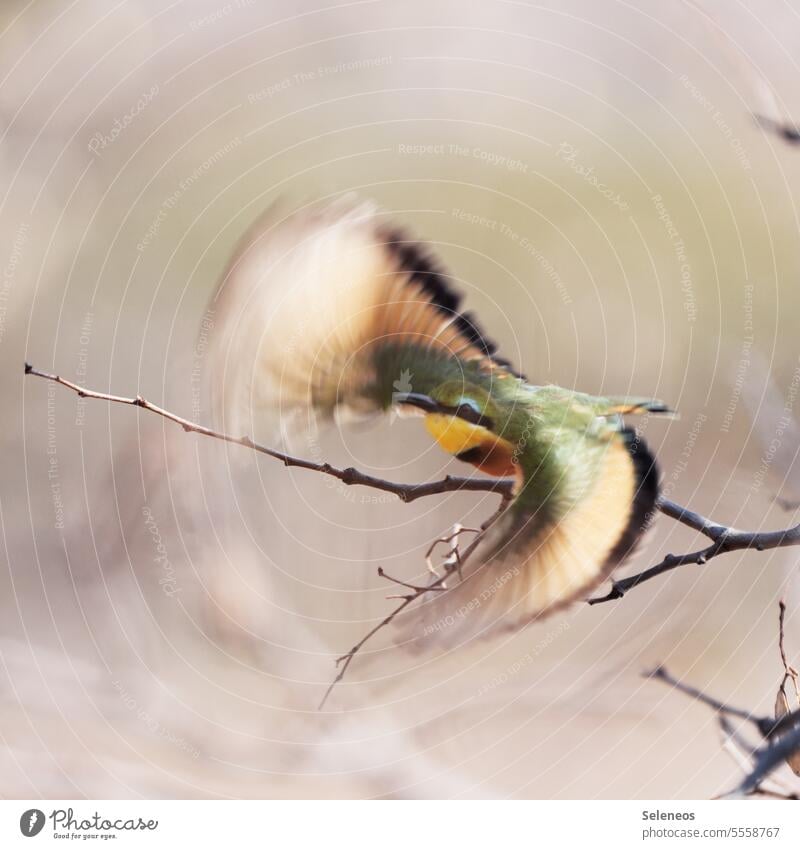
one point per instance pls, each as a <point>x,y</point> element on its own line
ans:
<point>326,308</point>
<point>536,562</point>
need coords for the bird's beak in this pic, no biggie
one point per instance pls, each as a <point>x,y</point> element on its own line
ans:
<point>415,399</point>
<point>428,405</point>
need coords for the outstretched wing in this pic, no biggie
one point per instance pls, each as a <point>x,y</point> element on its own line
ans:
<point>332,310</point>
<point>553,546</point>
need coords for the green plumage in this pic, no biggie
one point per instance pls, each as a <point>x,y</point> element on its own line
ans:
<point>559,435</point>
<point>336,310</point>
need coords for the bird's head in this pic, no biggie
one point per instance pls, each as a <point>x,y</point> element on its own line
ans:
<point>466,422</point>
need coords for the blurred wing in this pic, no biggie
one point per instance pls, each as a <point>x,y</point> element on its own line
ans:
<point>548,552</point>
<point>330,311</point>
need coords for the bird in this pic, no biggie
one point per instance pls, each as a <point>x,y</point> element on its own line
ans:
<point>333,312</point>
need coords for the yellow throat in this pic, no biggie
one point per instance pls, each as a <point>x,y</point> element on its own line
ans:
<point>472,443</point>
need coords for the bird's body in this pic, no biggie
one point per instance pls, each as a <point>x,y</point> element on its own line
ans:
<point>336,310</point>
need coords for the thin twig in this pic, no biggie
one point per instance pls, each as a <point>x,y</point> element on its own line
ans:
<point>452,561</point>
<point>768,758</point>
<point>742,754</point>
<point>788,669</point>
<point>784,130</point>
<point>406,492</point>
<point>723,539</point>
<point>732,742</point>
<point>782,735</point>
<point>416,587</point>
<point>345,660</point>
<point>765,726</point>
<point>787,504</point>
<point>772,794</point>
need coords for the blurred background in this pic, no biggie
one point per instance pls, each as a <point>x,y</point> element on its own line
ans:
<point>591,173</point>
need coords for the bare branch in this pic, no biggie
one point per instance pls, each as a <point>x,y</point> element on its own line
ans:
<point>349,477</point>
<point>768,758</point>
<point>782,735</point>
<point>723,539</point>
<point>765,726</point>
<point>788,669</point>
<point>406,492</point>
<point>437,585</point>
<point>785,130</point>
<point>742,754</point>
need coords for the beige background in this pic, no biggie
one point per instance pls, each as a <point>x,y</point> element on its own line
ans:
<point>199,675</point>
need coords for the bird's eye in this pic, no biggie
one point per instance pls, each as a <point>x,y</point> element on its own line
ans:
<point>469,410</point>
<point>465,405</point>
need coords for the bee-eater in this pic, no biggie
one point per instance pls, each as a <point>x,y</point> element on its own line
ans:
<point>335,310</point>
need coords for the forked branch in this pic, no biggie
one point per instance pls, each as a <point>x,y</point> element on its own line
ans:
<point>723,539</point>
<point>451,567</point>
<point>779,735</point>
<point>406,492</point>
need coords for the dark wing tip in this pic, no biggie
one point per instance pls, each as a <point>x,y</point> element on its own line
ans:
<point>413,258</point>
<point>645,498</point>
